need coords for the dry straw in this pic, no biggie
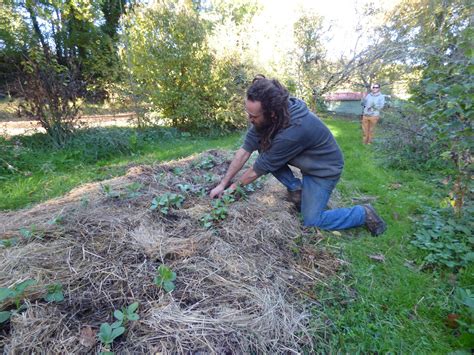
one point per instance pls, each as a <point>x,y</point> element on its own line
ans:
<point>240,287</point>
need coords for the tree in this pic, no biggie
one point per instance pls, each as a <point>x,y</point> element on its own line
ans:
<point>172,66</point>
<point>437,38</point>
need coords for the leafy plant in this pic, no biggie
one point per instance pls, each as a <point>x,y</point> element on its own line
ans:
<point>126,314</point>
<point>109,332</point>
<point>465,298</point>
<point>109,192</point>
<point>55,293</point>
<point>27,233</point>
<point>165,278</point>
<point>219,210</point>
<point>447,239</point>
<point>7,243</point>
<point>133,190</point>
<point>178,171</point>
<point>206,163</point>
<point>16,294</point>
<point>209,177</point>
<point>167,201</point>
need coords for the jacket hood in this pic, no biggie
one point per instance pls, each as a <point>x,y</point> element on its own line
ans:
<point>297,108</point>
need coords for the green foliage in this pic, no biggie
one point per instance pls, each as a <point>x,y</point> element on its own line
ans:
<point>439,116</point>
<point>175,71</point>
<point>127,314</point>
<point>167,201</point>
<point>55,293</point>
<point>219,210</point>
<point>109,192</point>
<point>165,278</point>
<point>16,293</point>
<point>447,238</point>
<point>206,163</point>
<point>108,333</point>
<point>172,59</point>
<point>465,299</point>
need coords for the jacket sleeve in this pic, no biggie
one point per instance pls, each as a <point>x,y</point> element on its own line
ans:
<point>279,154</point>
<point>381,102</point>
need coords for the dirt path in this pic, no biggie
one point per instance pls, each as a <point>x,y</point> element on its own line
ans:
<point>13,128</point>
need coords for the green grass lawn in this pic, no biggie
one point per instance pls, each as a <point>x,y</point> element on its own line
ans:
<point>389,306</point>
<point>371,306</point>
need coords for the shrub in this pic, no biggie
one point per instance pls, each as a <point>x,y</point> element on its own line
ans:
<point>447,238</point>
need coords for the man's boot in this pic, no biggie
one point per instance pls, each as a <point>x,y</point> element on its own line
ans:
<point>374,223</point>
<point>295,197</point>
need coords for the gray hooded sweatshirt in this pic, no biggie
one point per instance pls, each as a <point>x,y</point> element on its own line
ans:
<point>306,144</point>
<point>373,104</point>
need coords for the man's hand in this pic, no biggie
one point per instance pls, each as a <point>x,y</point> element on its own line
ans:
<point>217,191</point>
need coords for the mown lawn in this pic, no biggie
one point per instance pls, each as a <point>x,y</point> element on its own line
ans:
<point>371,306</point>
<point>389,306</point>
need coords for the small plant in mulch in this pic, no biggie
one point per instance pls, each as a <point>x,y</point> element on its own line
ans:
<point>131,191</point>
<point>15,294</point>
<point>219,211</point>
<point>205,163</point>
<point>109,332</point>
<point>54,293</point>
<point>165,278</point>
<point>165,202</point>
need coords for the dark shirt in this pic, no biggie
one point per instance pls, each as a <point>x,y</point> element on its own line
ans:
<point>306,144</point>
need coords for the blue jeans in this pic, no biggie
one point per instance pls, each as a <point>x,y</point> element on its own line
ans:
<point>315,196</point>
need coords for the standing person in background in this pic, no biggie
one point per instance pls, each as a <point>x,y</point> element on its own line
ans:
<point>372,104</point>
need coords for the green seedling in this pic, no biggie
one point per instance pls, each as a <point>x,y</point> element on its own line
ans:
<point>56,220</point>
<point>84,201</point>
<point>167,201</point>
<point>219,211</point>
<point>126,314</point>
<point>55,293</point>
<point>209,177</point>
<point>109,192</point>
<point>206,163</point>
<point>178,171</point>
<point>31,233</point>
<point>27,233</point>
<point>133,190</point>
<point>108,333</point>
<point>7,243</point>
<point>165,278</point>
<point>16,294</point>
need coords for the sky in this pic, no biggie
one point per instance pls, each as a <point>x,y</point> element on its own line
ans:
<point>278,15</point>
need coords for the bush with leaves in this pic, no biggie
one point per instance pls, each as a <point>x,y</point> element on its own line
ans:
<point>446,237</point>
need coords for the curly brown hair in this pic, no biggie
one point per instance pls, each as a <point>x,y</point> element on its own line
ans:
<point>273,97</point>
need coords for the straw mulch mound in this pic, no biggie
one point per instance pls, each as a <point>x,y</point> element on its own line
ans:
<point>242,286</point>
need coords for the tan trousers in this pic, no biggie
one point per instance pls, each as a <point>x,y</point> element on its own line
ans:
<point>368,128</point>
